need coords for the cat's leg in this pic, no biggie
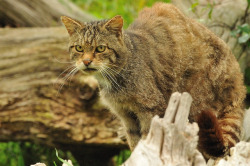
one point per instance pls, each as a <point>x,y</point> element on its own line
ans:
<point>218,134</point>
<point>132,127</point>
<point>145,122</point>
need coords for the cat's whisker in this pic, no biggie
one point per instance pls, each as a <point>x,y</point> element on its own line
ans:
<point>105,79</point>
<point>66,78</point>
<point>104,76</point>
<point>113,71</point>
<point>108,77</point>
<point>112,79</point>
<point>71,76</point>
<point>110,72</point>
<point>69,68</point>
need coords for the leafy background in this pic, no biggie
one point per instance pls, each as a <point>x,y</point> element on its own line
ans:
<point>26,153</point>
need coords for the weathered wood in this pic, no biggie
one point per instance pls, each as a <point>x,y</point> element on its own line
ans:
<point>246,125</point>
<point>32,105</point>
<point>171,140</point>
<point>239,156</point>
<point>38,13</point>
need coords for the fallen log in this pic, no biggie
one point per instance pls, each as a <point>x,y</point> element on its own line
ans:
<point>34,106</point>
<point>42,13</point>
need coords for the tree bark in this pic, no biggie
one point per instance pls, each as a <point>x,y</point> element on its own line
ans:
<point>38,13</point>
<point>34,107</point>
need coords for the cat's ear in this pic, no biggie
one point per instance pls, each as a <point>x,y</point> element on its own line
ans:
<point>115,24</point>
<point>71,24</point>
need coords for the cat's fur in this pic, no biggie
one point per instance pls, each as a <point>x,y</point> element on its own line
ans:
<point>162,52</point>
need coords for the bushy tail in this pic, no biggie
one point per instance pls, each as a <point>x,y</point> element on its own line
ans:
<point>216,137</point>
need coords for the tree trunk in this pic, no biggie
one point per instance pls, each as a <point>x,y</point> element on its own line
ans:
<point>34,107</point>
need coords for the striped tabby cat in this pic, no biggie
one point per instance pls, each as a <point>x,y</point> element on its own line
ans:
<point>162,52</point>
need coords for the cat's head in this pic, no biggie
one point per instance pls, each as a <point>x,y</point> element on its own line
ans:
<point>95,46</point>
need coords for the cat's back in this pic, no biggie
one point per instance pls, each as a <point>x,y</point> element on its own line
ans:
<point>164,30</point>
<point>159,19</point>
<point>166,35</point>
<point>185,56</point>
<point>160,11</point>
<point>165,23</point>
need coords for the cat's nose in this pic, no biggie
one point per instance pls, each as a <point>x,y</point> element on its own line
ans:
<point>87,62</point>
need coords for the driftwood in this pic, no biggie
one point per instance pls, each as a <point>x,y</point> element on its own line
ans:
<point>239,156</point>
<point>246,125</point>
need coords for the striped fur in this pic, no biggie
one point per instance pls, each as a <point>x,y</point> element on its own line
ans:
<point>161,52</point>
<point>217,136</point>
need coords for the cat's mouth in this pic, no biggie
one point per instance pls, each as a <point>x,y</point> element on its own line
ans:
<point>90,69</point>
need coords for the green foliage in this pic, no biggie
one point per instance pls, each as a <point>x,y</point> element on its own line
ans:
<point>11,154</point>
<point>209,7</point>
<point>193,6</point>
<point>122,157</point>
<point>108,9</point>
<point>26,153</point>
<point>247,79</point>
<point>63,161</point>
<point>242,33</point>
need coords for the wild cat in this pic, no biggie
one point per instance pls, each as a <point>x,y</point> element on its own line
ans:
<point>162,52</point>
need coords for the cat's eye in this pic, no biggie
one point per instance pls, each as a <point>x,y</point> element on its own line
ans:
<point>79,48</point>
<point>100,48</point>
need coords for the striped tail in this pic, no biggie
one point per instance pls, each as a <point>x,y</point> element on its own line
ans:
<point>217,136</point>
